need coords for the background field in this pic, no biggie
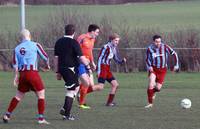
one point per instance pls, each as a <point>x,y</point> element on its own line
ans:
<point>165,15</point>
<point>129,114</point>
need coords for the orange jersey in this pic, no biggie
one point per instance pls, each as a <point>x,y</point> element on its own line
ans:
<point>86,42</point>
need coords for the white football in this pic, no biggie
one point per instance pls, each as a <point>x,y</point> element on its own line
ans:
<point>186,103</point>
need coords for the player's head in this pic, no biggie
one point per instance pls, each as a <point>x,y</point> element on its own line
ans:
<point>93,29</point>
<point>114,39</point>
<point>69,29</point>
<point>25,34</point>
<point>157,40</point>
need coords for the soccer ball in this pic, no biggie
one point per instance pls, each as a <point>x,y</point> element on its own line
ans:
<point>186,103</point>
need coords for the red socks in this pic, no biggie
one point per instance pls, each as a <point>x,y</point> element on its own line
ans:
<point>150,93</point>
<point>89,89</point>
<point>83,93</point>
<point>41,106</point>
<point>13,104</point>
<point>110,98</point>
<point>84,90</point>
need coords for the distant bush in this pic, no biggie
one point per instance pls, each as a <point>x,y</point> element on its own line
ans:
<point>48,32</point>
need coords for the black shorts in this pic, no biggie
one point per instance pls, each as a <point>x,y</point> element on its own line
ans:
<point>70,76</point>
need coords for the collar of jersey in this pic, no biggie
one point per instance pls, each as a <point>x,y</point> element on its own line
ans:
<point>69,36</point>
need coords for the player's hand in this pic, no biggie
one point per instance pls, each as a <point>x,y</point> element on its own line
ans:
<point>93,67</point>
<point>176,69</point>
<point>45,69</point>
<point>90,71</point>
<point>124,60</point>
<point>16,81</point>
<point>151,69</point>
<point>58,76</point>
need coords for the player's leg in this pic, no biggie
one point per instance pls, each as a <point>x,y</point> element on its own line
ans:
<point>22,89</point>
<point>114,85</point>
<point>90,89</point>
<point>85,83</point>
<point>150,89</point>
<point>158,87</point>
<point>38,86</point>
<point>41,106</point>
<point>13,104</point>
<point>96,87</point>
<point>101,80</point>
<point>72,87</point>
<point>111,96</point>
<point>69,97</point>
<point>159,81</point>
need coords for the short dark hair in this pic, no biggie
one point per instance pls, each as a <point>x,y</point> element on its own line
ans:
<point>92,27</point>
<point>156,37</point>
<point>69,29</point>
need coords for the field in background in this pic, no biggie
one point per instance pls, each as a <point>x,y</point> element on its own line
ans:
<point>165,15</point>
<point>129,114</point>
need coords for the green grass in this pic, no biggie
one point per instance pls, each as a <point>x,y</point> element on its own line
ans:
<point>164,15</point>
<point>129,114</point>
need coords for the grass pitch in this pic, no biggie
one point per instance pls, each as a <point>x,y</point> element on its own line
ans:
<point>128,114</point>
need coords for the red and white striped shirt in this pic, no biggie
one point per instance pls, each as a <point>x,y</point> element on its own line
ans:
<point>158,57</point>
<point>108,52</point>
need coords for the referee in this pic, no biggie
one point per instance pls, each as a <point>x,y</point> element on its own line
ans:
<point>68,56</point>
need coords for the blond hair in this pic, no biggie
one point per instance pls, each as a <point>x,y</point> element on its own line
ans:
<point>25,34</point>
<point>113,36</point>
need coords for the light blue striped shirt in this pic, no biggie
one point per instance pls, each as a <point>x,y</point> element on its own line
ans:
<point>25,55</point>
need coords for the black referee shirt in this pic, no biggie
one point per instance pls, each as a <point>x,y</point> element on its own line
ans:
<point>68,51</point>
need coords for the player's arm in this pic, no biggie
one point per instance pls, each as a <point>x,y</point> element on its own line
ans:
<point>117,58</point>
<point>16,78</point>
<point>16,72</point>
<point>43,55</point>
<point>92,63</point>
<point>56,58</point>
<point>56,64</point>
<point>103,50</point>
<point>58,75</point>
<point>175,58</point>
<point>149,60</point>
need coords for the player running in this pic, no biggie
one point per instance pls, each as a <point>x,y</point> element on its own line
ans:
<point>156,61</point>
<point>86,42</point>
<point>107,53</point>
